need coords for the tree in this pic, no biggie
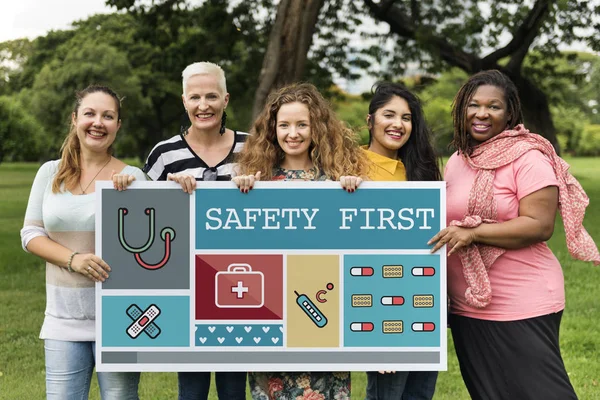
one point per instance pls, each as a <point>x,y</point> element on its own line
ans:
<point>453,33</point>
<point>439,35</point>
<point>287,52</point>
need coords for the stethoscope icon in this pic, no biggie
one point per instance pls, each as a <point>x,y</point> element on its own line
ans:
<point>166,234</point>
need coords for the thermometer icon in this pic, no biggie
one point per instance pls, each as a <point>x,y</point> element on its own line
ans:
<point>310,309</point>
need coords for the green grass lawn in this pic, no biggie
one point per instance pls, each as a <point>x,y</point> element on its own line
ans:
<point>22,302</point>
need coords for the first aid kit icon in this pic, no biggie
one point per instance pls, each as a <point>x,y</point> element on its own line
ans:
<point>239,287</point>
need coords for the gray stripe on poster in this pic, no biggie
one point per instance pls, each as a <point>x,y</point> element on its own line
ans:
<point>186,357</point>
<point>116,357</point>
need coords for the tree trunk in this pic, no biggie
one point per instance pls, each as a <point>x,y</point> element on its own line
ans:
<point>536,110</point>
<point>290,39</point>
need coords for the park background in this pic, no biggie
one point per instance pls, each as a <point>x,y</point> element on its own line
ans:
<point>549,49</point>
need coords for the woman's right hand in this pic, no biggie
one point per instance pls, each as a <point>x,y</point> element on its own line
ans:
<point>246,182</point>
<point>350,183</point>
<point>187,181</point>
<point>91,266</point>
<point>121,181</point>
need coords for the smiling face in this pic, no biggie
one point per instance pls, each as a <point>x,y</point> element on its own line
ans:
<point>97,121</point>
<point>205,101</point>
<point>487,114</point>
<point>391,126</point>
<point>293,132</point>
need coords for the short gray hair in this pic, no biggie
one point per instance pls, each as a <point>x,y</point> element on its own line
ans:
<point>204,68</point>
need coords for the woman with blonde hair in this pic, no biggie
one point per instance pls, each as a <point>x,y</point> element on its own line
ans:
<point>298,137</point>
<point>59,227</point>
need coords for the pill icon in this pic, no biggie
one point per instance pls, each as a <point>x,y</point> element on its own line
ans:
<point>393,326</point>
<point>423,326</point>
<point>362,300</point>
<point>362,327</point>
<point>392,300</point>
<point>361,271</point>
<point>423,271</point>
<point>423,301</point>
<point>393,271</point>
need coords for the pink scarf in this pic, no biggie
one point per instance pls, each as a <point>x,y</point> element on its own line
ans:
<point>494,153</point>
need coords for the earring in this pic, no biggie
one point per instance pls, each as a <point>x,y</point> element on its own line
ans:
<point>223,121</point>
<point>184,124</point>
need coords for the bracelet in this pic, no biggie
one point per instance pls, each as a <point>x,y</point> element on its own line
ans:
<point>70,261</point>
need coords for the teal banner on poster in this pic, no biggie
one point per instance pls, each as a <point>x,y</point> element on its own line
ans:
<point>308,218</point>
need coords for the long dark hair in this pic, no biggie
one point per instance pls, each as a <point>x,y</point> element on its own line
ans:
<point>417,154</point>
<point>493,77</point>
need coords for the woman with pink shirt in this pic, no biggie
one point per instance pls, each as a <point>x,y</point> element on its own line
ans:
<point>506,288</point>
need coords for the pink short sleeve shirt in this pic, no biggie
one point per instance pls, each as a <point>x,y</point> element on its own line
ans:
<point>527,282</point>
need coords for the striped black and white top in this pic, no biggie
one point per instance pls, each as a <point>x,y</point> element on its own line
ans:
<point>175,155</point>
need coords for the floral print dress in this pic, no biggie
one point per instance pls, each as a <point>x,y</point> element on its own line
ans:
<point>299,385</point>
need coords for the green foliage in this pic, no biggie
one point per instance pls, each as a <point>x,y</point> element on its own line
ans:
<point>589,142</point>
<point>141,54</point>
<point>436,99</point>
<point>21,136</point>
<point>89,62</point>
<point>353,110</point>
<point>570,122</point>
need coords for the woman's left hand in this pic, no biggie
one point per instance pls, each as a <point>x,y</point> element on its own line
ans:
<point>455,237</point>
<point>350,183</point>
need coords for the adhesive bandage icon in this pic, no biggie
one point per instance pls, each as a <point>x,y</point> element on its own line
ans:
<point>144,321</point>
<point>311,310</point>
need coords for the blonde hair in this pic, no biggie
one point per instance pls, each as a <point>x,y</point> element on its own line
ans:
<point>204,68</point>
<point>333,149</point>
<point>69,168</point>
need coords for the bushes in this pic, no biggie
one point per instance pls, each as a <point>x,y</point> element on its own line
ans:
<point>22,138</point>
<point>589,143</point>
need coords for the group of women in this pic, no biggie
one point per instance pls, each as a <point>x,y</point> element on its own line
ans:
<point>504,186</point>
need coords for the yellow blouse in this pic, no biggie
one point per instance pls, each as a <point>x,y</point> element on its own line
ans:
<point>383,168</point>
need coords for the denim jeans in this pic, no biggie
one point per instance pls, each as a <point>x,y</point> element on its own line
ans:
<point>195,385</point>
<point>69,367</point>
<point>403,385</point>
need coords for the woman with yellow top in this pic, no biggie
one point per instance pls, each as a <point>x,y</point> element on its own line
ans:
<point>399,150</point>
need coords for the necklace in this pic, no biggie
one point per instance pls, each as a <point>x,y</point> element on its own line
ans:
<point>94,178</point>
